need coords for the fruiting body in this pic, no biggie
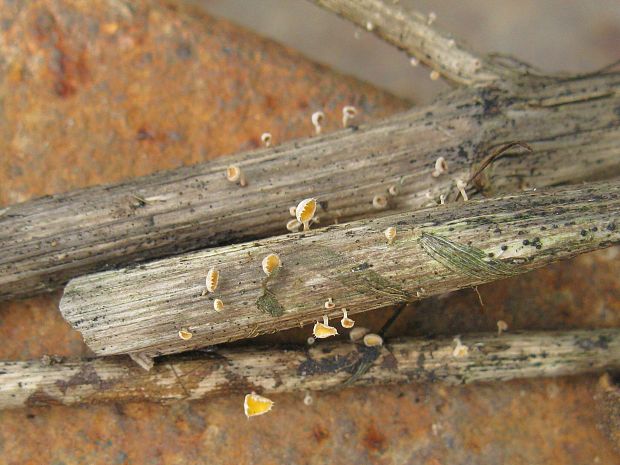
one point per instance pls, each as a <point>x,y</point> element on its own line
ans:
<point>329,304</point>
<point>441,167</point>
<point>346,322</point>
<point>357,333</point>
<point>461,350</point>
<point>373,340</point>
<point>317,120</point>
<point>233,173</point>
<point>501,327</point>
<point>293,225</point>
<point>213,279</point>
<point>393,190</point>
<point>185,334</point>
<point>379,202</point>
<point>305,212</point>
<point>323,330</point>
<point>435,75</point>
<point>390,234</point>
<point>218,305</point>
<point>348,113</point>
<point>254,405</point>
<point>270,263</point>
<point>461,185</point>
<point>266,138</point>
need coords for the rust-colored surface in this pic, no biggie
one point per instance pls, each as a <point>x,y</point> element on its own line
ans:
<point>99,91</point>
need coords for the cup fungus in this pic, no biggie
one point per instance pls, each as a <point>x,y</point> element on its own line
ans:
<point>346,322</point>
<point>501,327</point>
<point>323,330</point>
<point>390,234</point>
<point>266,138</point>
<point>218,305</point>
<point>213,279</point>
<point>317,120</point>
<point>461,185</point>
<point>460,350</point>
<point>271,263</point>
<point>357,333</point>
<point>441,167</point>
<point>329,304</point>
<point>373,340</point>
<point>435,75</point>
<point>305,212</point>
<point>185,334</point>
<point>254,405</point>
<point>348,113</point>
<point>393,190</point>
<point>293,225</point>
<point>379,202</point>
<point>291,211</point>
<point>233,173</point>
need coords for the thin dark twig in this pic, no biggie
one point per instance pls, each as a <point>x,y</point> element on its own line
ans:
<point>479,297</point>
<point>496,154</point>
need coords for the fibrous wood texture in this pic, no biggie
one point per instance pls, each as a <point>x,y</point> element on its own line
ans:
<point>326,366</point>
<point>414,33</point>
<point>142,309</point>
<point>572,126</point>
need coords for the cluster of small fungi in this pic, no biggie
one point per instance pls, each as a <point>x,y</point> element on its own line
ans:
<point>304,216</point>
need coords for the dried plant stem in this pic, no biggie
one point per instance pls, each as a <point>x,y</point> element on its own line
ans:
<point>325,366</point>
<point>141,309</point>
<point>572,126</point>
<point>410,31</point>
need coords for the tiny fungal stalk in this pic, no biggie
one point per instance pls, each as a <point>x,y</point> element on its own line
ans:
<point>441,167</point>
<point>346,322</point>
<point>460,350</point>
<point>317,121</point>
<point>348,113</point>
<point>461,185</point>
<point>254,405</point>
<point>323,330</point>
<point>305,212</point>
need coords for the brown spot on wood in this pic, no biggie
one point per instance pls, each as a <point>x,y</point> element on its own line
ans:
<point>39,398</point>
<point>320,433</point>
<point>86,376</point>
<point>374,440</point>
<point>389,362</point>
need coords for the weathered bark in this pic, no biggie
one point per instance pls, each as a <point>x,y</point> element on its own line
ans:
<point>325,366</point>
<point>141,309</point>
<point>572,126</point>
<point>412,32</point>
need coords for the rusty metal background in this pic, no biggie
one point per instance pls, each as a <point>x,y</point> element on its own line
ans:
<point>99,91</point>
